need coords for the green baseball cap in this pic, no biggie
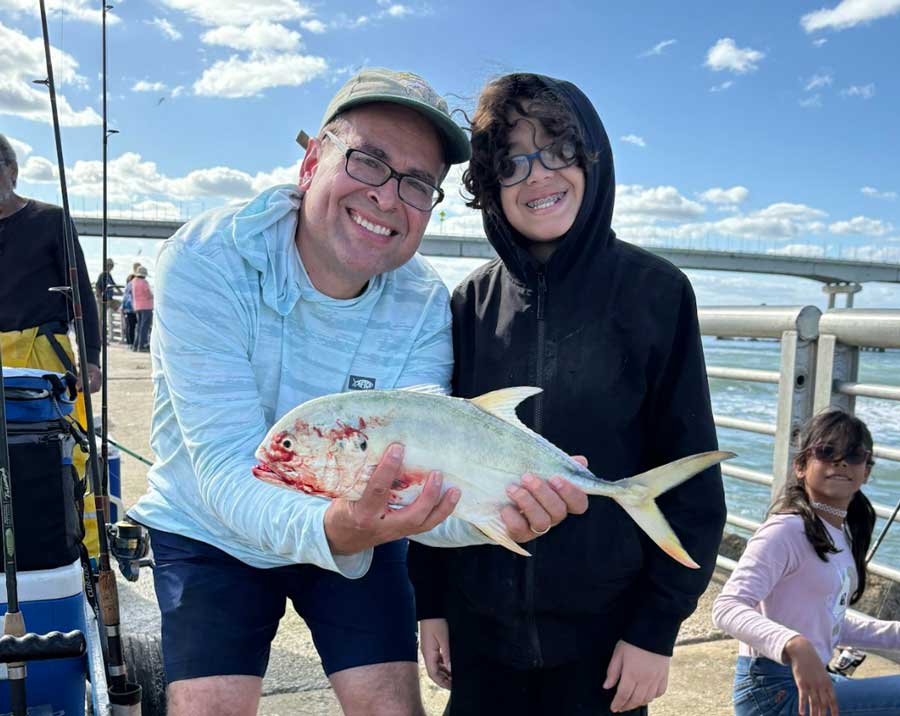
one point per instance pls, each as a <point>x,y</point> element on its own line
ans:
<point>377,84</point>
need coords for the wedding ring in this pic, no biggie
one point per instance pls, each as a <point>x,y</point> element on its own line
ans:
<point>539,532</point>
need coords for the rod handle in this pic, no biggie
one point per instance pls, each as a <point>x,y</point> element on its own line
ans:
<point>40,647</point>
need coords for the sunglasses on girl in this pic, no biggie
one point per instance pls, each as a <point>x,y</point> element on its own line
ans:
<point>829,453</point>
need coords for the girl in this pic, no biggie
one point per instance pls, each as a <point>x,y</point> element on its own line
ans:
<point>610,332</point>
<point>787,599</point>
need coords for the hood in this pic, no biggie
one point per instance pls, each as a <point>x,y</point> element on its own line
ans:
<point>591,233</point>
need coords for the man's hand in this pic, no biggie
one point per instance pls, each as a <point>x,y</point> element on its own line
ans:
<point>95,378</point>
<point>353,526</point>
<point>434,638</point>
<point>540,505</point>
<point>814,686</point>
<point>642,676</point>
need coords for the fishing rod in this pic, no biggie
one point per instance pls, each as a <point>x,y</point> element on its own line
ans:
<point>124,697</point>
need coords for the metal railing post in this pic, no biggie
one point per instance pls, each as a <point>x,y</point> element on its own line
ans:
<point>836,362</point>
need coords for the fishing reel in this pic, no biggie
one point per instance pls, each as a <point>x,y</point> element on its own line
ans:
<point>129,543</point>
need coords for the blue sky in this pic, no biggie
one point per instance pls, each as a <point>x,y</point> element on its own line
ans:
<point>769,124</point>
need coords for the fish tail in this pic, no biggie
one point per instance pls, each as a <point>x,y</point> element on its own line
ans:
<point>640,492</point>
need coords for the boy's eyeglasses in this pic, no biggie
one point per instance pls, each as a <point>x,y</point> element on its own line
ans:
<point>371,170</point>
<point>829,453</point>
<point>516,168</point>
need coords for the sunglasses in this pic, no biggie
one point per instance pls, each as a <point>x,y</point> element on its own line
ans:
<point>829,453</point>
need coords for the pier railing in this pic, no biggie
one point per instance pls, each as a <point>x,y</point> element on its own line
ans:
<point>819,368</point>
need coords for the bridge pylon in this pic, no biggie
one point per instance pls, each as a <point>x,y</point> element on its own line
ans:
<point>848,288</point>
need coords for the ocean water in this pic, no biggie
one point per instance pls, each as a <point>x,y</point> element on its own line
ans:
<point>753,401</point>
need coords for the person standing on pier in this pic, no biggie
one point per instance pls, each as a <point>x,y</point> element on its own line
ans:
<point>142,302</point>
<point>787,600</point>
<point>307,290</point>
<point>586,626</point>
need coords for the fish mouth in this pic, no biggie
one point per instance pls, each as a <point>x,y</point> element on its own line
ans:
<point>265,472</point>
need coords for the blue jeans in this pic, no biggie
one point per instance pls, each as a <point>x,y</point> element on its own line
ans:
<point>765,688</point>
<point>142,330</point>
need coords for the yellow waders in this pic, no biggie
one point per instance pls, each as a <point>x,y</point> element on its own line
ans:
<point>32,348</point>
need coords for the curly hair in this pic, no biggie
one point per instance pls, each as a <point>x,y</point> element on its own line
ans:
<point>490,128</point>
<point>845,432</point>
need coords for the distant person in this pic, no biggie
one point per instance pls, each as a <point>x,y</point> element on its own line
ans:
<point>142,301</point>
<point>129,317</point>
<point>586,626</point>
<point>35,321</point>
<point>294,295</point>
<point>787,600</point>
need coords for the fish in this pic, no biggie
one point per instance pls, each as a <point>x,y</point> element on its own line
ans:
<point>329,447</point>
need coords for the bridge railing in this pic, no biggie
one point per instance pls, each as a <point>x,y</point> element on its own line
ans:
<point>819,364</point>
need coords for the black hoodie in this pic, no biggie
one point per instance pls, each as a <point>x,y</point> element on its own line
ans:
<point>610,332</point>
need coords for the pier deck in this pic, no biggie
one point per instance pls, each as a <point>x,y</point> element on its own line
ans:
<point>700,680</point>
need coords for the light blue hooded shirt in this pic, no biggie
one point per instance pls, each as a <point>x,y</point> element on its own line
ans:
<point>240,337</point>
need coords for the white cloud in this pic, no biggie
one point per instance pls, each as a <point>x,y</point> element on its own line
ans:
<point>725,55</point>
<point>236,77</point>
<point>656,203</point>
<point>864,91</point>
<point>875,194</point>
<point>144,86</point>
<point>817,81</point>
<point>316,27</point>
<point>796,212</point>
<point>19,147</point>
<point>83,10</point>
<point>721,87</point>
<point>820,41</point>
<point>658,48</point>
<point>634,139</point>
<point>165,27</point>
<point>861,226</point>
<point>735,195</point>
<point>398,10</point>
<point>21,61</point>
<point>240,12</point>
<point>39,170</point>
<point>258,36</point>
<point>849,13</point>
<point>813,102</point>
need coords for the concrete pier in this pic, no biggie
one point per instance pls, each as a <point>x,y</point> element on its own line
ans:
<point>702,668</point>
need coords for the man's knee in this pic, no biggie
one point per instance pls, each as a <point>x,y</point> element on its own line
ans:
<point>390,689</point>
<point>215,696</point>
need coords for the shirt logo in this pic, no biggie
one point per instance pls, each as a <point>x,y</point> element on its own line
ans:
<point>358,382</point>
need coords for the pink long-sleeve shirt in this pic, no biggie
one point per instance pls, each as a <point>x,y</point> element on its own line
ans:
<point>781,588</point>
<point>141,295</point>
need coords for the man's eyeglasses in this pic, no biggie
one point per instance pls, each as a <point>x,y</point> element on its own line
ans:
<point>516,168</point>
<point>829,453</point>
<point>371,170</point>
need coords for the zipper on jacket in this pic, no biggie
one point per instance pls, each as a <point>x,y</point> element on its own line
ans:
<point>533,635</point>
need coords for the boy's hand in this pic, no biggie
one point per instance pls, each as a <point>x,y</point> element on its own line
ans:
<point>813,683</point>
<point>434,635</point>
<point>540,505</point>
<point>642,676</point>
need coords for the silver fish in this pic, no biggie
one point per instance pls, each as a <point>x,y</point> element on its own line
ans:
<point>331,445</point>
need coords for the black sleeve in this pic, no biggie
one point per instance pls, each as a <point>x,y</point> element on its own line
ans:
<point>88,305</point>
<point>681,424</point>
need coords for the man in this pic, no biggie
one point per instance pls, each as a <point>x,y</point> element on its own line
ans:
<point>300,293</point>
<point>105,288</point>
<point>35,321</point>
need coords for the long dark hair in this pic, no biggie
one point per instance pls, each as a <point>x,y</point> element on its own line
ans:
<point>490,127</point>
<point>846,432</point>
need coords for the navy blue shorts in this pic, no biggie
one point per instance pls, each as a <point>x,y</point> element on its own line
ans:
<point>219,615</point>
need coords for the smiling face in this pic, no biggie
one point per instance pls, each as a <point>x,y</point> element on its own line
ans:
<point>833,482</point>
<point>350,232</point>
<point>544,206</point>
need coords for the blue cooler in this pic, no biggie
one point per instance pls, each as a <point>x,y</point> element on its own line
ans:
<point>50,600</point>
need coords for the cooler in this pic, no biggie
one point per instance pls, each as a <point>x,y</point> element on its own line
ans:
<point>50,600</point>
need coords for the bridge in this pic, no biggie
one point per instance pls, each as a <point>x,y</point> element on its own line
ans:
<point>845,275</point>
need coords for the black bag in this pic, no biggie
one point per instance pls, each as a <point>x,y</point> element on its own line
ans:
<point>48,495</point>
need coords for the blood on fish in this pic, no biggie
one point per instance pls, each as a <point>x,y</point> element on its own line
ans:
<point>409,478</point>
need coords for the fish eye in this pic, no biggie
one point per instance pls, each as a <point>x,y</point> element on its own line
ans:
<point>287,444</point>
<point>362,445</point>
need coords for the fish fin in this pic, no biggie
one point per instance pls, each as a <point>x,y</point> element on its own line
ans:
<point>427,389</point>
<point>503,404</point>
<point>641,491</point>
<point>495,530</point>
